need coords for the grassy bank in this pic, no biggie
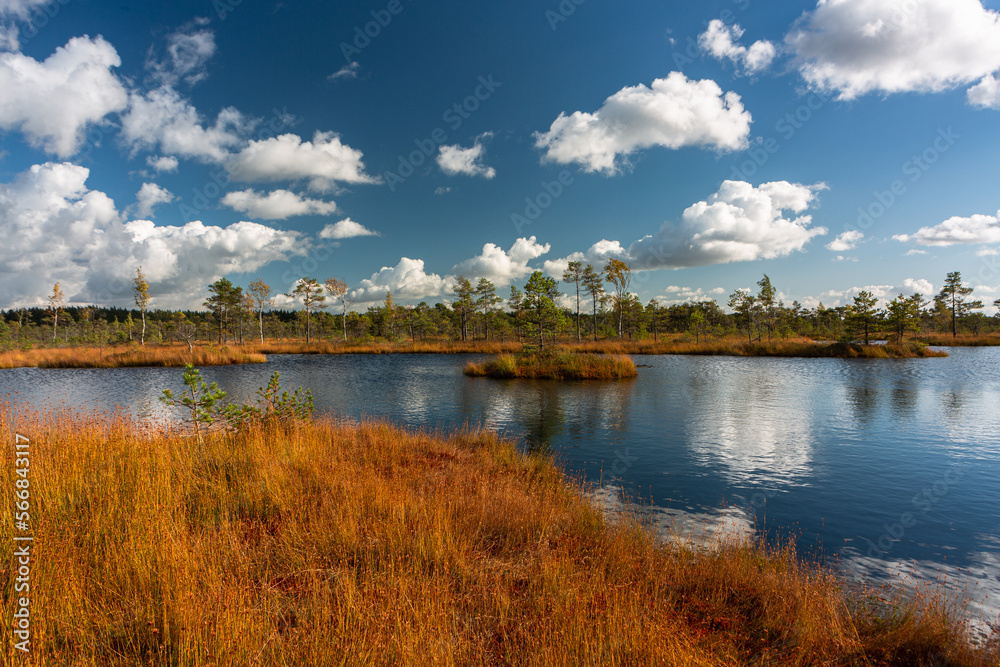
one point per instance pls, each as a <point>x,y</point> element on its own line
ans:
<point>211,355</point>
<point>149,355</point>
<point>778,348</point>
<point>381,347</point>
<point>962,340</point>
<point>561,365</point>
<point>327,544</point>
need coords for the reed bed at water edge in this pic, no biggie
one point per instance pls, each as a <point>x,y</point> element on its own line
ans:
<point>327,543</point>
<point>133,355</point>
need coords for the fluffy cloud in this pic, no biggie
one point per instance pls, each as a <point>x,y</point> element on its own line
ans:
<point>884,293</point>
<point>188,51</point>
<point>56,229</point>
<point>324,162</point>
<point>20,8</point>
<point>975,229</point>
<point>913,252</point>
<point>502,268</point>
<point>455,160</point>
<point>674,112</point>
<point>163,119</point>
<point>597,256</point>
<point>846,241</point>
<point>986,93</point>
<point>406,280</point>
<point>53,102</point>
<point>674,294</point>
<point>721,40</point>
<point>149,196</point>
<point>276,205</point>
<point>345,229</point>
<point>736,224</point>
<point>853,47</point>
<point>9,38</point>
<point>163,164</point>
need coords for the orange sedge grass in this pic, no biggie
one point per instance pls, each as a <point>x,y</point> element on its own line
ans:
<point>134,355</point>
<point>555,365</point>
<point>344,543</point>
<point>742,348</point>
<point>962,340</point>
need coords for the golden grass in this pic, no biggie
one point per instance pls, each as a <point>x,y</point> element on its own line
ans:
<point>118,357</point>
<point>338,543</point>
<point>381,347</point>
<point>799,347</point>
<point>554,366</point>
<point>962,340</point>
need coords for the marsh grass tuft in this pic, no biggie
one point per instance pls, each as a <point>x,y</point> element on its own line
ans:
<point>554,365</point>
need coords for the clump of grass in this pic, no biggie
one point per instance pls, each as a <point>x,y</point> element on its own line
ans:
<point>133,355</point>
<point>341,543</point>
<point>555,365</point>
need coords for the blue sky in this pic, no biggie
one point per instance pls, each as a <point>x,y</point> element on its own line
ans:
<point>836,147</point>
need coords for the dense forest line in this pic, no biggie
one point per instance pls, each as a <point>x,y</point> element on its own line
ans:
<point>603,308</point>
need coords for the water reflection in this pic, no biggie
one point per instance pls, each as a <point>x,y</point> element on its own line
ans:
<point>755,427</point>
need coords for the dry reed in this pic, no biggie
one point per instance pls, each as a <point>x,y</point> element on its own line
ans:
<point>344,543</point>
<point>554,366</point>
<point>118,357</point>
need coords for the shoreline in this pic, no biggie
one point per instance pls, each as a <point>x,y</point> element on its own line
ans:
<point>297,543</point>
<point>177,355</point>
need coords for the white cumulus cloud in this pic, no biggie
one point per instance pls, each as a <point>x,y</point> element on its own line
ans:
<point>345,229</point>
<point>165,164</point>
<point>149,196</point>
<point>503,267</point>
<point>722,42</point>
<point>407,280</point>
<point>854,47</point>
<point>323,162</point>
<point>20,8</point>
<point>738,223</point>
<point>56,229</point>
<point>986,93</point>
<point>163,119</point>
<point>53,102</point>
<point>673,112</point>
<point>276,205</point>
<point>596,255</point>
<point>846,241</point>
<point>455,160</point>
<point>956,230</point>
<point>188,51</point>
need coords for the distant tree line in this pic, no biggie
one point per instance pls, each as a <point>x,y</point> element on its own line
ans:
<point>602,307</point>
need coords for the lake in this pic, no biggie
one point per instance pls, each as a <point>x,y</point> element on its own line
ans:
<point>888,469</point>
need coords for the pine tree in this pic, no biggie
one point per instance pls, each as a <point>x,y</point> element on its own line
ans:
<point>574,275</point>
<point>311,293</point>
<point>593,284</point>
<point>539,304</point>
<point>464,305</point>
<point>952,298</point>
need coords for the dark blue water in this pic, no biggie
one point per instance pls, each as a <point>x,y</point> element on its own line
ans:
<point>891,467</point>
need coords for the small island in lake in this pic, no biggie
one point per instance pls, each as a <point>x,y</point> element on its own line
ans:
<point>555,365</point>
